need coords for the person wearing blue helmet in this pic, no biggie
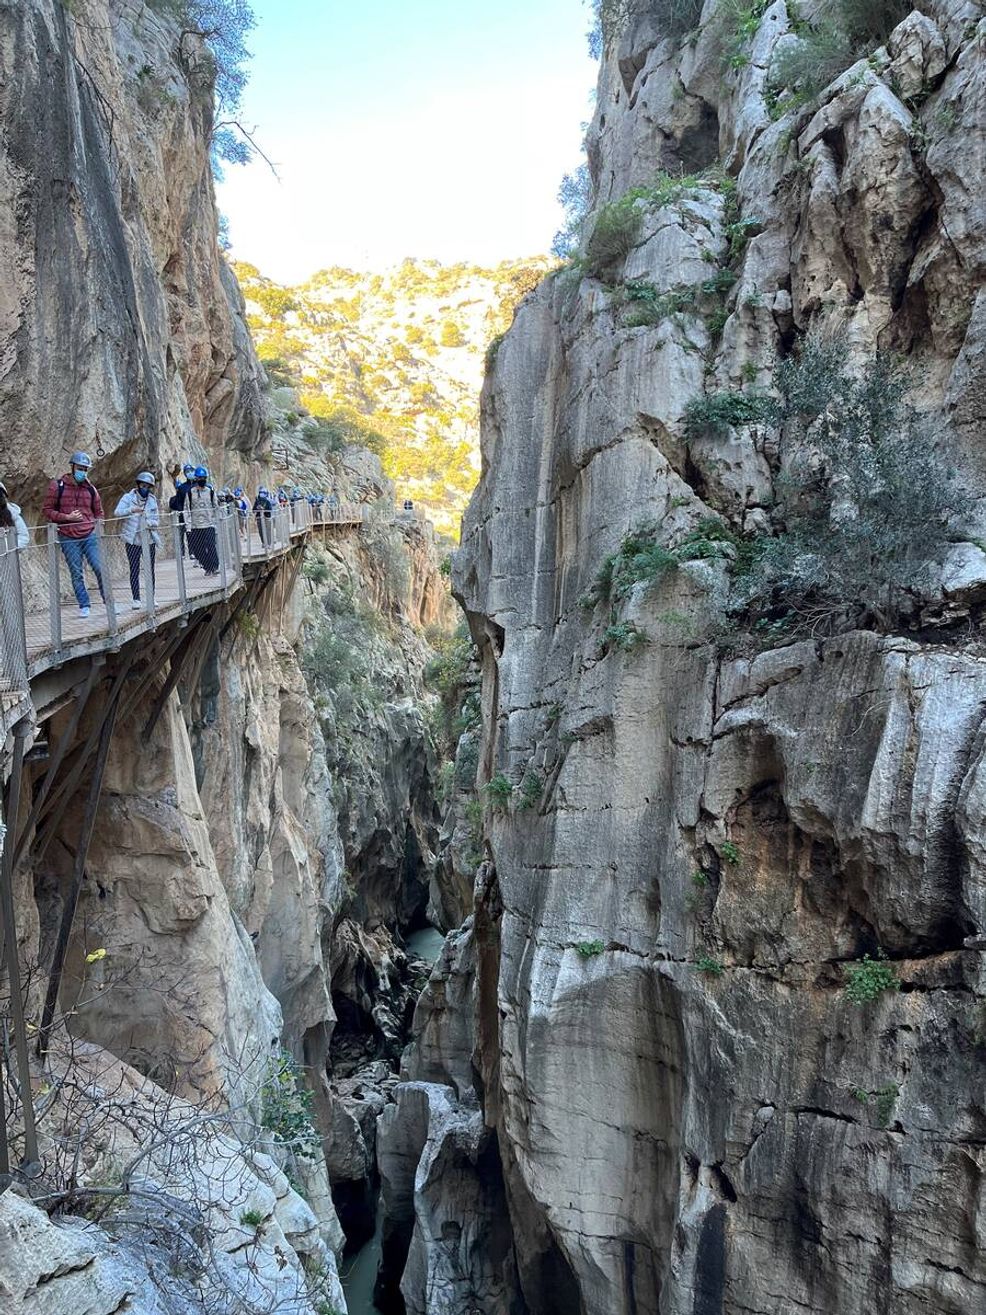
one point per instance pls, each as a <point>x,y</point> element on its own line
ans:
<point>196,502</point>
<point>263,510</point>
<point>74,505</point>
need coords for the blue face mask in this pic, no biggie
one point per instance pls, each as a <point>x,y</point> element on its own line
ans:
<point>143,490</point>
<point>80,476</point>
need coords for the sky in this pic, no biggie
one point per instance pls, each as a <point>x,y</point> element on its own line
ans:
<point>438,129</point>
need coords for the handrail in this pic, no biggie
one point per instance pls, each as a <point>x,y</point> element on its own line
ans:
<point>148,574</point>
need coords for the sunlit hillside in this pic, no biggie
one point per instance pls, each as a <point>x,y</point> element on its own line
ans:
<point>394,361</point>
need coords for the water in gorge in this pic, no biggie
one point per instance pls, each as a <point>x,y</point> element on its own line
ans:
<point>359,1272</point>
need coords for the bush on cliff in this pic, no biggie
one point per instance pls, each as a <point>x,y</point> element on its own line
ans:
<point>674,18</point>
<point>841,32</point>
<point>865,498</point>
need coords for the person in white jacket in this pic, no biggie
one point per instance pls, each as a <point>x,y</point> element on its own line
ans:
<point>139,506</point>
<point>11,519</point>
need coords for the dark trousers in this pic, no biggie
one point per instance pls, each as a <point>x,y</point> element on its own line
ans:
<point>202,546</point>
<point>133,557</point>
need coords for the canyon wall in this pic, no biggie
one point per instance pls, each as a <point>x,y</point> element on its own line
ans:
<point>120,330</point>
<point>267,824</point>
<point>696,831</point>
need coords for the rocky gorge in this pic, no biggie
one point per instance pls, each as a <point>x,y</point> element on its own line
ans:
<point>707,1031</point>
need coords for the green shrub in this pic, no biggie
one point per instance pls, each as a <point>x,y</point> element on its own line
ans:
<point>589,949</point>
<point>712,967</point>
<point>674,18</point>
<point>865,500</point>
<point>315,567</point>
<point>287,1106</point>
<point>339,652</point>
<point>625,636</point>
<point>713,414</point>
<point>885,1099</point>
<point>643,305</point>
<point>869,978</point>
<point>531,789</point>
<point>251,1218</point>
<point>498,790</point>
<point>492,351</point>
<point>737,23</point>
<point>841,32</point>
<point>729,853</point>
<point>449,674</point>
<point>614,235</point>
<point>575,198</point>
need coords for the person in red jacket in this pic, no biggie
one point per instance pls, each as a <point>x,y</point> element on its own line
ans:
<point>74,505</point>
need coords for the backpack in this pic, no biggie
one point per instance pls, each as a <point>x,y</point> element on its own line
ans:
<point>61,490</point>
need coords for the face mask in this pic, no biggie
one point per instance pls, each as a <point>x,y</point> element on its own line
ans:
<point>79,476</point>
<point>200,483</point>
<point>143,490</point>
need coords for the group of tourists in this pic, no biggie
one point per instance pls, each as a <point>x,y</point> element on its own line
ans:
<point>74,506</point>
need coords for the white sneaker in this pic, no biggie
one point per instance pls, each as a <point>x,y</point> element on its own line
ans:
<point>136,604</point>
<point>84,611</point>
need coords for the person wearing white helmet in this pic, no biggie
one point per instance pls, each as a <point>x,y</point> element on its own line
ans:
<point>139,506</point>
<point>74,505</point>
<point>11,519</point>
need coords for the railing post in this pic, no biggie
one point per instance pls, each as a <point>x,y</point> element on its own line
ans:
<point>178,541</point>
<point>237,544</point>
<point>54,590</point>
<point>145,570</point>
<point>106,572</point>
<point>223,547</point>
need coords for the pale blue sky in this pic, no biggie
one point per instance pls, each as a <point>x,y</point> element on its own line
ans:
<point>430,128</point>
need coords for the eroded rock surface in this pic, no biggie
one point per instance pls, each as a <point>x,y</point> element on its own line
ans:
<point>691,1113</point>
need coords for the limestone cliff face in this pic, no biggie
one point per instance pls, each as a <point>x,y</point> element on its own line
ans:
<point>120,331</point>
<point>690,1113</point>
<point>265,831</point>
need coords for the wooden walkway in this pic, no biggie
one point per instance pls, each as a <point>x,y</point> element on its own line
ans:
<point>83,636</point>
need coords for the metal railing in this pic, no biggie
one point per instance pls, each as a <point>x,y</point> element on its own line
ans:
<point>13,645</point>
<point>133,574</point>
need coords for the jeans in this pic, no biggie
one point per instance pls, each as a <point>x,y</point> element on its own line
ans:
<point>133,558</point>
<point>76,552</point>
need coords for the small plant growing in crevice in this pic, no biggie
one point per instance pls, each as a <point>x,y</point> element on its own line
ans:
<point>699,886</point>
<point>589,949</point>
<point>530,790</point>
<point>252,1219</point>
<point>498,790</point>
<point>884,1101</point>
<point>625,636</point>
<point>729,853</point>
<point>870,978</point>
<point>706,963</point>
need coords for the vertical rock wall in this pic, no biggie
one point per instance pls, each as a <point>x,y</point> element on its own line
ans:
<point>120,332</point>
<point>691,1114</point>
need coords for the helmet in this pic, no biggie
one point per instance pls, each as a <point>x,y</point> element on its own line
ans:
<point>237,492</point>
<point>188,468</point>
<point>262,492</point>
<point>81,459</point>
<point>145,477</point>
<point>201,472</point>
